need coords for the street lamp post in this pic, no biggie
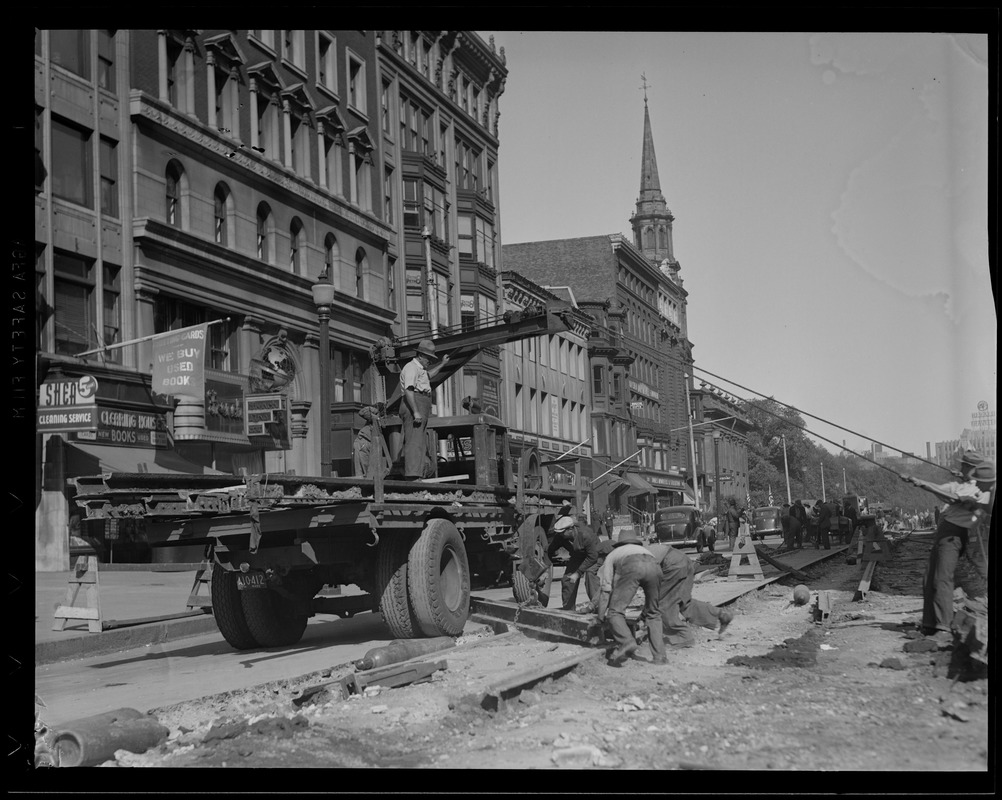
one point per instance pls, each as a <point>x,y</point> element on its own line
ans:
<point>716,473</point>
<point>323,299</point>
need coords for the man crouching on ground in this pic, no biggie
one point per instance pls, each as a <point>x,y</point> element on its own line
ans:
<point>679,610</point>
<point>628,567</point>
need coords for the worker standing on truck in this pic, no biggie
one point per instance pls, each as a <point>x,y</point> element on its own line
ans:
<point>628,567</point>
<point>415,408</point>
<point>967,502</point>
<point>581,541</point>
<point>677,606</point>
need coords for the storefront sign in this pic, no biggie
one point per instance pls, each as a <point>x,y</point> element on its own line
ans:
<point>268,422</point>
<point>80,391</point>
<point>179,362</point>
<point>643,389</point>
<point>489,395</point>
<point>224,407</point>
<point>126,429</point>
<point>67,405</point>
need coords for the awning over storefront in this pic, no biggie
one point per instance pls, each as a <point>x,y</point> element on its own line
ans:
<point>615,483</point>
<point>92,459</point>
<point>638,485</point>
<point>689,499</point>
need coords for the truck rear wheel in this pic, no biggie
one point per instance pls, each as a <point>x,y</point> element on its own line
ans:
<point>525,590</point>
<point>391,587</point>
<point>228,610</point>
<point>272,618</point>
<point>438,580</point>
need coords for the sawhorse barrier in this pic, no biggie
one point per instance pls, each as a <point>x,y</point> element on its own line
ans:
<point>84,578</point>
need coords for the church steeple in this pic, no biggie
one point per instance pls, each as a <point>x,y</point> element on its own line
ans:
<point>652,222</point>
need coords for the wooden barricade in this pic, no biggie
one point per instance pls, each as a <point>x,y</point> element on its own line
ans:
<point>84,577</point>
<point>744,549</point>
<point>203,579</point>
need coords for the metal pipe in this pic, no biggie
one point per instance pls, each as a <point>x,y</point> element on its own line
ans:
<point>151,336</point>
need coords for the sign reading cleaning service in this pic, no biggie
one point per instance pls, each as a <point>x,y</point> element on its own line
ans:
<point>179,361</point>
<point>69,404</point>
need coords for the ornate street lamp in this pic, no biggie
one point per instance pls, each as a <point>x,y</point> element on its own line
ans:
<point>323,299</point>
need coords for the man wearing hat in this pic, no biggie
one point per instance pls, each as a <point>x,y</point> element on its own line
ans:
<point>415,384</point>
<point>679,609</point>
<point>628,567</point>
<point>967,501</point>
<point>577,536</point>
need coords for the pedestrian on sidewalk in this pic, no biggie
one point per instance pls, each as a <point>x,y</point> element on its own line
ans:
<point>679,610</point>
<point>967,502</point>
<point>628,567</point>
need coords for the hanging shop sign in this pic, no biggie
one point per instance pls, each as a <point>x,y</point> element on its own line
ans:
<point>66,405</point>
<point>179,362</point>
<point>489,395</point>
<point>268,421</point>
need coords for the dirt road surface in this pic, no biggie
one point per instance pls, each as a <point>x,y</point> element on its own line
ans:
<point>777,691</point>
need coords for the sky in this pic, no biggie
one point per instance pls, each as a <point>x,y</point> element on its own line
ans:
<point>830,195</point>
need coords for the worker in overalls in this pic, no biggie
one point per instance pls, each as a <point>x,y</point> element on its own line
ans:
<point>415,408</point>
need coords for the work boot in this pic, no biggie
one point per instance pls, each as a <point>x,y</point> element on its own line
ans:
<point>726,615</point>
<point>620,654</point>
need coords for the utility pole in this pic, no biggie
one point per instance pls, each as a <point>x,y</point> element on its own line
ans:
<point>692,443</point>
<point>823,496</point>
<point>786,469</point>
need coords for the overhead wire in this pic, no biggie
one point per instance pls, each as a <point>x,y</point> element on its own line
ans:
<point>792,424</point>
<point>825,421</point>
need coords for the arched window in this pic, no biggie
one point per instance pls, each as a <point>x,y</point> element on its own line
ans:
<point>175,178</point>
<point>221,200</point>
<point>295,246</point>
<point>264,232</point>
<point>331,256</point>
<point>360,267</point>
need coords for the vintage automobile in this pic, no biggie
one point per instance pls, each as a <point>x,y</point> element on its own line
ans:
<point>765,522</point>
<point>681,526</point>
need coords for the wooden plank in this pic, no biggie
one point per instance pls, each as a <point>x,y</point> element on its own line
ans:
<point>522,678</point>
<point>864,584</point>
<point>779,564</point>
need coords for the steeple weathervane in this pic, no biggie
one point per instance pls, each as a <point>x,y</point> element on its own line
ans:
<point>643,78</point>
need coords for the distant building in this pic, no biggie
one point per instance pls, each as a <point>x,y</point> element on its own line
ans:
<point>980,436</point>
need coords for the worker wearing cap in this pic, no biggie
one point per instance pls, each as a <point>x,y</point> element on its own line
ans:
<point>582,542</point>
<point>415,408</point>
<point>679,610</point>
<point>628,567</point>
<point>967,501</point>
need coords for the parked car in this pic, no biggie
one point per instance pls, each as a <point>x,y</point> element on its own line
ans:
<point>765,522</point>
<point>681,526</point>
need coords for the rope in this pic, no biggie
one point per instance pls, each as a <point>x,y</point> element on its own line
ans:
<point>822,419</point>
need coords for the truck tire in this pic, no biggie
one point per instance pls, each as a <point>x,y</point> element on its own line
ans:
<point>228,609</point>
<point>438,580</point>
<point>391,587</point>
<point>272,618</point>
<point>524,589</point>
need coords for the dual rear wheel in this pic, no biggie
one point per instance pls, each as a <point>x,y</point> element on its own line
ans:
<point>423,585</point>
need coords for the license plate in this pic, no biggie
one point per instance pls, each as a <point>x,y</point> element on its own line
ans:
<point>251,580</point>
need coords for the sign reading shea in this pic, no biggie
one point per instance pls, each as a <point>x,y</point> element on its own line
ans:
<point>179,362</point>
<point>80,391</point>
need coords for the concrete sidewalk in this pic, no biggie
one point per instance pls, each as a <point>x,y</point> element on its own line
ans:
<point>124,595</point>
